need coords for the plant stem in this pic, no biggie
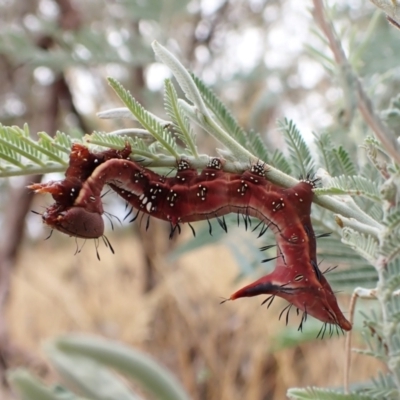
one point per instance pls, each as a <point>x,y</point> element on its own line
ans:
<point>365,105</point>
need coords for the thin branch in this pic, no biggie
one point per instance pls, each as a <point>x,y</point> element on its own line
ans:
<point>364,102</point>
<point>362,293</point>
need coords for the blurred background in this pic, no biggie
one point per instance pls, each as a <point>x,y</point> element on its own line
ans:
<point>266,60</point>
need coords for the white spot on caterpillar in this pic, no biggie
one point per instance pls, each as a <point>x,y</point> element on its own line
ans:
<point>141,196</point>
<point>202,192</point>
<point>148,206</point>
<point>172,198</point>
<point>243,188</point>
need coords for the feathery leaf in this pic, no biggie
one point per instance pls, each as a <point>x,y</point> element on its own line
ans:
<point>343,162</point>
<point>257,146</point>
<point>299,151</point>
<point>313,393</point>
<point>366,246</point>
<point>351,185</point>
<point>221,112</point>
<point>325,146</point>
<point>179,119</point>
<point>279,161</point>
<point>21,155</point>
<point>146,119</point>
<point>391,246</point>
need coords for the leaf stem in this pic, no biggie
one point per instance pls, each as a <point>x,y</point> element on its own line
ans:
<point>208,124</point>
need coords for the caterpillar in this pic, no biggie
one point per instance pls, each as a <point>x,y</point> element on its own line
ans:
<point>191,196</point>
<point>84,221</point>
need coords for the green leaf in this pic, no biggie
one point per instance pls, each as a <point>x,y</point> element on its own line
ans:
<point>179,119</point>
<point>139,147</point>
<point>117,142</point>
<point>393,219</point>
<point>326,154</point>
<point>299,152</point>
<point>313,393</point>
<point>384,387</point>
<point>351,185</point>
<point>88,377</point>
<point>343,162</point>
<point>182,76</point>
<point>278,160</point>
<point>391,246</point>
<point>132,363</point>
<point>146,119</point>
<point>30,388</point>
<point>221,112</point>
<point>21,155</point>
<point>257,146</point>
<point>61,141</point>
<point>366,246</point>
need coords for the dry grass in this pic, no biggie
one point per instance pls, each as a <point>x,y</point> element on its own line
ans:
<point>219,352</point>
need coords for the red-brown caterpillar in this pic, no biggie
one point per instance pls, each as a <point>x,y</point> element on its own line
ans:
<point>84,221</point>
<point>189,197</point>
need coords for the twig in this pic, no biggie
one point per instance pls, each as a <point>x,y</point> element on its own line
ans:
<point>357,293</point>
<point>364,102</point>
